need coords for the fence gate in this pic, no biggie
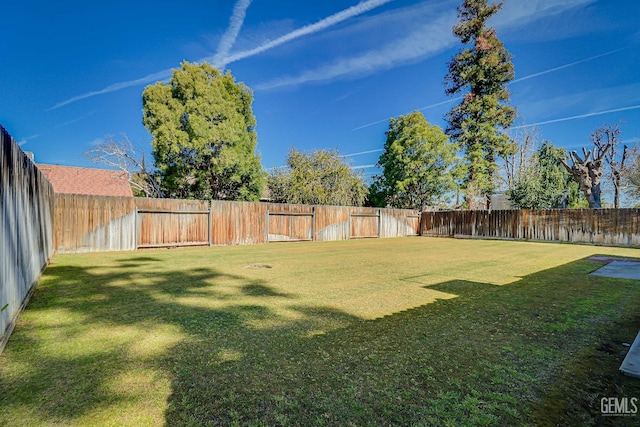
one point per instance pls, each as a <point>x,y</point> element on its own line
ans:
<point>413,222</point>
<point>290,226</point>
<point>364,225</point>
<point>156,228</point>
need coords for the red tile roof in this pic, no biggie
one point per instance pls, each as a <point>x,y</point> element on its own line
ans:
<point>99,182</point>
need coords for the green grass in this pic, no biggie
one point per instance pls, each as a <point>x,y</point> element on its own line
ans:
<point>414,331</point>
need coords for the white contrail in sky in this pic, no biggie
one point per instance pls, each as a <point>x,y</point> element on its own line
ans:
<point>67,123</point>
<point>418,109</point>
<point>327,22</point>
<point>160,75</point>
<point>423,40</point>
<point>431,36</point>
<point>229,37</point>
<point>580,116</point>
<point>363,152</point>
<point>371,124</point>
<point>226,43</point>
<point>561,67</point>
<point>323,24</point>
<point>530,76</point>
<point>27,139</point>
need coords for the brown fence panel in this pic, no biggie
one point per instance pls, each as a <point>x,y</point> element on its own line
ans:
<point>332,223</point>
<point>171,222</point>
<point>94,223</point>
<point>364,223</point>
<point>238,223</point>
<point>99,223</point>
<point>26,223</point>
<point>618,227</point>
<point>289,222</point>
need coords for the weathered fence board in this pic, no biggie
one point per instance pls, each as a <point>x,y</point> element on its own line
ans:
<point>94,223</point>
<point>164,222</point>
<point>26,241</point>
<point>83,222</point>
<point>332,223</point>
<point>364,223</point>
<point>285,226</point>
<point>618,227</point>
<point>238,223</point>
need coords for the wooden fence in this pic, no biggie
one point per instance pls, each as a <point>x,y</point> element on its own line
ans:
<point>26,241</point>
<point>98,223</point>
<point>164,222</point>
<point>93,223</point>
<point>616,227</point>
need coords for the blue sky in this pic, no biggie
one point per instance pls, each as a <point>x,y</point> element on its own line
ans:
<point>325,74</point>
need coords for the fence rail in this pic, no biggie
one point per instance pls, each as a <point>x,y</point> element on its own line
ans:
<point>101,223</point>
<point>364,225</point>
<point>290,226</point>
<point>26,241</point>
<point>617,227</point>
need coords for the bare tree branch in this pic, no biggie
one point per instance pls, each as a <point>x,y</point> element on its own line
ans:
<point>121,155</point>
<point>605,140</point>
<point>518,160</point>
<point>588,174</point>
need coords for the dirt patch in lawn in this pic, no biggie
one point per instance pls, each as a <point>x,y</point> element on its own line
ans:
<point>258,266</point>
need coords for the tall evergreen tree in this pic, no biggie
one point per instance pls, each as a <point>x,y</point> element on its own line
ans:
<point>418,165</point>
<point>203,135</point>
<point>480,73</point>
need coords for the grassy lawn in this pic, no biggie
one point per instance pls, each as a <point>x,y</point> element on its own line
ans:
<point>414,331</point>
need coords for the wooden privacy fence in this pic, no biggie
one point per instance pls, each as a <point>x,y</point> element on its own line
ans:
<point>99,223</point>
<point>26,224</point>
<point>165,223</point>
<point>290,226</point>
<point>364,225</point>
<point>618,227</point>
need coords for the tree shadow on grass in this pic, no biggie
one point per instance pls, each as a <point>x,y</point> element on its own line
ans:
<point>234,350</point>
<point>89,332</point>
<point>486,357</point>
<point>260,290</point>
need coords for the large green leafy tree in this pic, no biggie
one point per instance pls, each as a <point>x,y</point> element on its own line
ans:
<point>418,165</point>
<point>321,177</point>
<point>544,183</point>
<point>203,135</point>
<point>480,73</point>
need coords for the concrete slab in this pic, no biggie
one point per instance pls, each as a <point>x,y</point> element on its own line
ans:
<point>625,269</point>
<point>606,259</point>
<point>620,269</point>
<point>631,363</point>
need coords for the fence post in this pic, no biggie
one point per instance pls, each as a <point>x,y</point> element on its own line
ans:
<point>210,222</point>
<point>266,227</point>
<point>379,222</point>
<point>313,223</point>
<point>135,228</point>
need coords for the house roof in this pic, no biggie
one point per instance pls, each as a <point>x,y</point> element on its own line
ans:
<point>75,180</point>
